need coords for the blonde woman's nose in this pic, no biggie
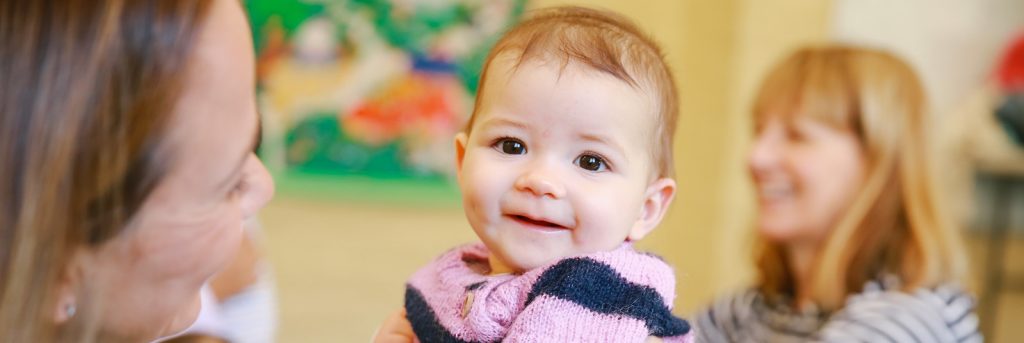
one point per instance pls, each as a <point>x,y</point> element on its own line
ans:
<point>764,151</point>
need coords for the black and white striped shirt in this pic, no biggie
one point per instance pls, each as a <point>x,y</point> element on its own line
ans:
<point>881,313</point>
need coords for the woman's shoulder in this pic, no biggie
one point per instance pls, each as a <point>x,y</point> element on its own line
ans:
<point>744,316</point>
<point>884,311</point>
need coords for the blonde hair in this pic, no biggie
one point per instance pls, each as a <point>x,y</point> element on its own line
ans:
<point>86,94</point>
<point>602,41</point>
<point>894,225</point>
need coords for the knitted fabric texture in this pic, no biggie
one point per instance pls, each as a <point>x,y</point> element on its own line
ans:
<point>615,296</point>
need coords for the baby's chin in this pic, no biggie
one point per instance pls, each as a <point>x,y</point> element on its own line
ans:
<point>500,265</point>
<point>525,262</point>
<point>510,264</point>
<point>517,257</point>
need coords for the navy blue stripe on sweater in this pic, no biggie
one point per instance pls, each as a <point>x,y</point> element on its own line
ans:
<point>599,288</point>
<point>423,319</point>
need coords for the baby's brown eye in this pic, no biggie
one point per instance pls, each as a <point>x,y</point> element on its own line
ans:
<point>591,162</point>
<point>511,146</point>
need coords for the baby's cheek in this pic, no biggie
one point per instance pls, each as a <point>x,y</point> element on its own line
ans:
<point>485,191</point>
<point>605,223</point>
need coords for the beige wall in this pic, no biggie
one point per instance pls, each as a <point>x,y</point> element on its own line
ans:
<point>718,49</point>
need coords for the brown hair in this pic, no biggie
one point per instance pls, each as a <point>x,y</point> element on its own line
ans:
<point>86,89</point>
<point>602,41</point>
<point>894,225</point>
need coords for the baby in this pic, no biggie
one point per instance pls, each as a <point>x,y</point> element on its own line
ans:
<point>566,160</point>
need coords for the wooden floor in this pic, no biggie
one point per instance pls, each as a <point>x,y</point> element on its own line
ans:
<point>340,267</point>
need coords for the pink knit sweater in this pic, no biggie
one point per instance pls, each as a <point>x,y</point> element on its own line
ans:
<point>614,296</point>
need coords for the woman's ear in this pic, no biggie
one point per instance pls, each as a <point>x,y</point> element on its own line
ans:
<point>657,199</point>
<point>69,280</point>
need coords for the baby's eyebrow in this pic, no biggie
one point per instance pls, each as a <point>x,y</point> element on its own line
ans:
<point>503,122</point>
<point>602,139</point>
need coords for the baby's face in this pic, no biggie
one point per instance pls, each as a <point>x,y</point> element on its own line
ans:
<point>556,165</point>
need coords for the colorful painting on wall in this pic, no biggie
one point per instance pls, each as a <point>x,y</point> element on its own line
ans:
<point>370,88</point>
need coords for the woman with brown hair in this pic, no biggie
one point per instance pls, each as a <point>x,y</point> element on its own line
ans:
<point>853,245</point>
<point>126,138</point>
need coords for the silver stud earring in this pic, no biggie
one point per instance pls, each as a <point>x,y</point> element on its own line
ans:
<point>69,310</point>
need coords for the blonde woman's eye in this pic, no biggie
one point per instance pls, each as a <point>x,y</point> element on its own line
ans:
<point>510,146</point>
<point>591,162</point>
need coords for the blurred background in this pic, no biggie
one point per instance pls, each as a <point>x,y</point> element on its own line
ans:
<point>360,99</point>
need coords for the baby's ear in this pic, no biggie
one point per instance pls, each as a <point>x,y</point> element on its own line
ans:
<point>460,150</point>
<point>657,199</point>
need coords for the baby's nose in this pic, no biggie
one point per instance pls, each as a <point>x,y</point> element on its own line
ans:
<point>541,183</point>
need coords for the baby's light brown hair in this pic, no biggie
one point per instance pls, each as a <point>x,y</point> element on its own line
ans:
<point>602,41</point>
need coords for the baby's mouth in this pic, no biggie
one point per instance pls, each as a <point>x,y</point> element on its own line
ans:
<point>537,223</point>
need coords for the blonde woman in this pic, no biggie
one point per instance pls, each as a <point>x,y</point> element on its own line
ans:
<point>126,163</point>
<point>852,244</point>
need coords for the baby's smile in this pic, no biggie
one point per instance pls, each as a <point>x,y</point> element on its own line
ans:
<point>539,224</point>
